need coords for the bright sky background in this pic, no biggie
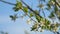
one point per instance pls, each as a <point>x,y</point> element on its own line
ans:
<point>20,25</point>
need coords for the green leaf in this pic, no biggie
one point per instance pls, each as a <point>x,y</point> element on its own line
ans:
<point>13,17</point>
<point>31,14</point>
<point>19,5</point>
<point>38,18</point>
<point>47,22</point>
<point>16,9</point>
<point>34,27</point>
<point>43,27</point>
<point>56,8</point>
<point>36,12</point>
<point>25,9</point>
<point>51,15</point>
<point>49,6</point>
<point>41,6</point>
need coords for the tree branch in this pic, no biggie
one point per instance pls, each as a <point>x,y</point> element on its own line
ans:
<point>7,2</point>
<point>30,8</point>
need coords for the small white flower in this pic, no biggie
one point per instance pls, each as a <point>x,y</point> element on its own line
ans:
<point>28,21</point>
<point>55,29</point>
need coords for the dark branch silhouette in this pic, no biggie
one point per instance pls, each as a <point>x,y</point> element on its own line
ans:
<point>7,2</point>
<point>30,8</point>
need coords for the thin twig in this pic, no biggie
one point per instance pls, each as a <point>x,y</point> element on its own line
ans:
<point>7,2</point>
<point>30,8</point>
